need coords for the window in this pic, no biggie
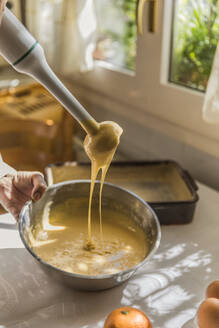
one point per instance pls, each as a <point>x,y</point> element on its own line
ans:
<point>117,32</point>
<point>170,70</point>
<point>194,41</point>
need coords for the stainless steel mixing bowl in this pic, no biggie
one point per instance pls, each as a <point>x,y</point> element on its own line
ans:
<point>115,198</point>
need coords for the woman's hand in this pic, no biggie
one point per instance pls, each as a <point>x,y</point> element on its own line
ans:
<point>17,188</point>
<point>2,8</point>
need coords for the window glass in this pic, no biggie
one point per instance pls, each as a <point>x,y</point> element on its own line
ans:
<point>194,41</point>
<point>116,32</point>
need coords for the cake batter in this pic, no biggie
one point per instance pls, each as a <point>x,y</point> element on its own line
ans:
<point>100,148</point>
<point>62,241</point>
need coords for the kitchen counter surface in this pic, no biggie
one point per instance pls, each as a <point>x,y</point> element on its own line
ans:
<point>168,289</point>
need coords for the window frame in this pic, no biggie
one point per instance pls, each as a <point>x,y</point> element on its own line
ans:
<point>171,108</point>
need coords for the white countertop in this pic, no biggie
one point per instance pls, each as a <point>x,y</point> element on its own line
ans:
<point>168,289</point>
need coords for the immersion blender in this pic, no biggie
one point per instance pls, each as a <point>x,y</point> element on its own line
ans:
<point>24,53</point>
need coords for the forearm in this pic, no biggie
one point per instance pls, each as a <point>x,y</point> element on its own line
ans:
<point>5,168</point>
<point>5,171</point>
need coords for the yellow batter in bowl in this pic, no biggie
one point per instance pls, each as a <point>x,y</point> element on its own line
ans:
<point>54,231</point>
<point>62,238</point>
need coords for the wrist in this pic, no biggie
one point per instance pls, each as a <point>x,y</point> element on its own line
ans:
<point>6,169</point>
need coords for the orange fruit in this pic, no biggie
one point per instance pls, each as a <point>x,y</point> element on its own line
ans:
<point>127,317</point>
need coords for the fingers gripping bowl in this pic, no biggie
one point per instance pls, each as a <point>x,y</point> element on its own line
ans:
<point>115,199</point>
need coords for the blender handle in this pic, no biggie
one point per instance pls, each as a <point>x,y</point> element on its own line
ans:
<point>24,53</point>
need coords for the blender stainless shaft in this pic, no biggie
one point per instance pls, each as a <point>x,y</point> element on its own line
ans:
<point>25,54</point>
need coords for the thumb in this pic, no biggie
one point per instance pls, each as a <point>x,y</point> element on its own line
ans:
<point>39,186</point>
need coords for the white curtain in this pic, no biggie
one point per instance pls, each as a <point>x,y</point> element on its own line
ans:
<point>66,29</point>
<point>211,102</point>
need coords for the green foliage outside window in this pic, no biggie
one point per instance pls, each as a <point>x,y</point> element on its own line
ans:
<point>129,38</point>
<point>195,38</point>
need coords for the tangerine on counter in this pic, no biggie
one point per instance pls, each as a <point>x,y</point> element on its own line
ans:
<point>127,317</point>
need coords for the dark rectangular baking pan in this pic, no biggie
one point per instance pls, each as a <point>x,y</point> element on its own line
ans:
<point>165,185</point>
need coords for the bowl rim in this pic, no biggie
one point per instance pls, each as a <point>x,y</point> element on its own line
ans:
<point>83,276</point>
